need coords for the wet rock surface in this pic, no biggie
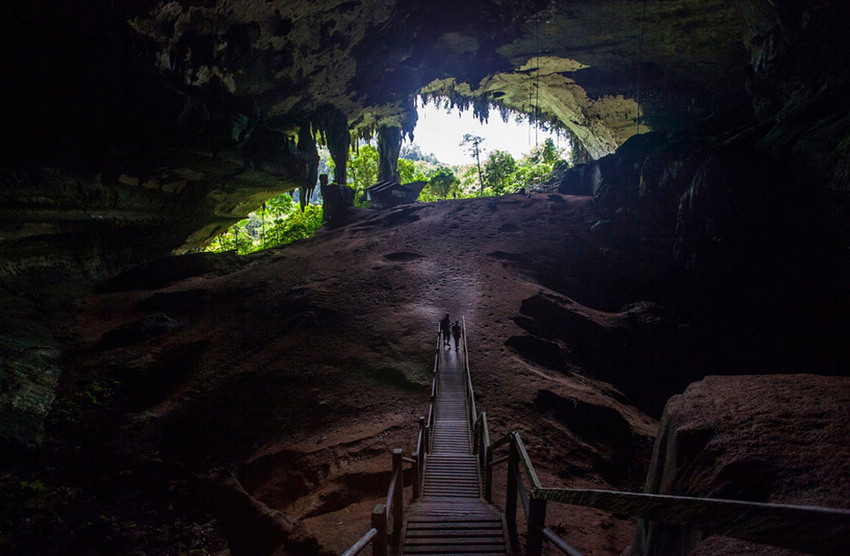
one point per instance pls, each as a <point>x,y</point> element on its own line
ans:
<point>717,244</point>
<point>298,381</point>
<point>779,439</point>
<point>29,375</point>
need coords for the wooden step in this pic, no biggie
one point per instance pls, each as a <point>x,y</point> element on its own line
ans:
<point>451,518</point>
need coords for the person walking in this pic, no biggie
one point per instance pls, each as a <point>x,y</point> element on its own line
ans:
<point>445,330</point>
<point>456,334</point>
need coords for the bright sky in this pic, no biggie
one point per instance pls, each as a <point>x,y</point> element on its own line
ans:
<point>441,132</point>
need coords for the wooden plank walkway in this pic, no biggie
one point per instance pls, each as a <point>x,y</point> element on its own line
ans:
<point>451,517</point>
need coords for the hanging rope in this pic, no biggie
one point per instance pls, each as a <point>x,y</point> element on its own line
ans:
<point>639,63</point>
<point>537,100</point>
<point>528,107</point>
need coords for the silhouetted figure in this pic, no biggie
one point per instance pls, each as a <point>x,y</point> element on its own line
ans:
<point>456,334</point>
<point>445,330</point>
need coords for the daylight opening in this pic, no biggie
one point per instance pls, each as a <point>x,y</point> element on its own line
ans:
<point>453,154</point>
<point>459,154</point>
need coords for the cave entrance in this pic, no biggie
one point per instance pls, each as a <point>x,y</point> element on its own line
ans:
<point>440,129</point>
<point>463,152</point>
<point>459,152</point>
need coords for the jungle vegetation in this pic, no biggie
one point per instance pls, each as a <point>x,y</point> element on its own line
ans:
<point>280,220</point>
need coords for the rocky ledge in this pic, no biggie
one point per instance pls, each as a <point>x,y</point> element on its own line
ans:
<point>777,439</point>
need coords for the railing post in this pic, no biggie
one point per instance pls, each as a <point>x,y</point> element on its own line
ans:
<point>379,522</point>
<point>420,456</point>
<point>398,496</point>
<point>536,523</point>
<point>511,498</point>
<point>488,475</point>
<point>415,469</point>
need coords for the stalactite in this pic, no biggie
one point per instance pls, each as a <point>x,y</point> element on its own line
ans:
<point>307,148</point>
<point>389,146</point>
<point>335,125</point>
<point>408,124</point>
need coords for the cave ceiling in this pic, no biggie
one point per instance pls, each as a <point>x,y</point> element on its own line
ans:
<point>136,129</point>
<point>126,87</point>
<point>573,63</point>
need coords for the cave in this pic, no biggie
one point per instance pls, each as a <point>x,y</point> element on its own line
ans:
<point>669,313</point>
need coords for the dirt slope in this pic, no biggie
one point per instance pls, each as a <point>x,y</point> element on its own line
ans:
<point>269,392</point>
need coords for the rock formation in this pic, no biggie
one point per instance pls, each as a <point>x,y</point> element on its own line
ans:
<point>754,438</point>
<point>715,219</point>
<point>169,121</point>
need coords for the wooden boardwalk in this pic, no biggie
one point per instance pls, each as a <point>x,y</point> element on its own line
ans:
<point>451,517</point>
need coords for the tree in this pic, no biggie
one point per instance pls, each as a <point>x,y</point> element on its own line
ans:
<point>474,142</point>
<point>442,182</point>
<point>414,152</point>
<point>499,170</point>
<point>278,222</point>
<point>410,171</point>
<point>363,169</point>
<point>549,153</point>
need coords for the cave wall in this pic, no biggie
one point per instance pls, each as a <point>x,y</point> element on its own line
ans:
<point>770,439</point>
<point>170,120</point>
<point>136,130</point>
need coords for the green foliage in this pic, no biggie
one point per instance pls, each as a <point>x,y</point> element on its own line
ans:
<point>499,172</point>
<point>503,174</point>
<point>278,222</point>
<point>442,183</point>
<point>547,152</point>
<point>414,152</point>
<point>363,170</point>
<point>298,225</point>
<point>474,149</point>
<point>474,142</point>
<point>411,171</point>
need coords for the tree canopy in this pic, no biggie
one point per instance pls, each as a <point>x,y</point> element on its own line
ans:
<point>278,222</point>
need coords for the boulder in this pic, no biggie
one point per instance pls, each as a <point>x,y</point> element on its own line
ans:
<point>141,330</point>
<point>29,375</point>
<point>640,349</point>
<point>336,200</point>
<point>583,179</point>
<point>613,179</point>
<point>759,438</point>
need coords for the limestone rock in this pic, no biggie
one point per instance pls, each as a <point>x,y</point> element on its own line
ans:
<point>138,331</point>
<point>776,438</point>
<point>162,272</point>
<point>336,200</point>
<point>640,349</point>
<point>29,373</point>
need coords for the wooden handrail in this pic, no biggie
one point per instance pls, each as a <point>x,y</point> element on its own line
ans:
<point>559,543</point>
<point>811,529</point>
<point>501,442</point>
<point>784,525</point>
<point>379,535</point>
<point>806,528</point>
<point>364,541</point>
<point>526,462</point>
<point>472,415</point>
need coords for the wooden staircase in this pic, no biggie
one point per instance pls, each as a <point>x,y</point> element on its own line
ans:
<point>451,517</point>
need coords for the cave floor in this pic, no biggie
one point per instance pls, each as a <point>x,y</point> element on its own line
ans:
<point>297,370</point>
